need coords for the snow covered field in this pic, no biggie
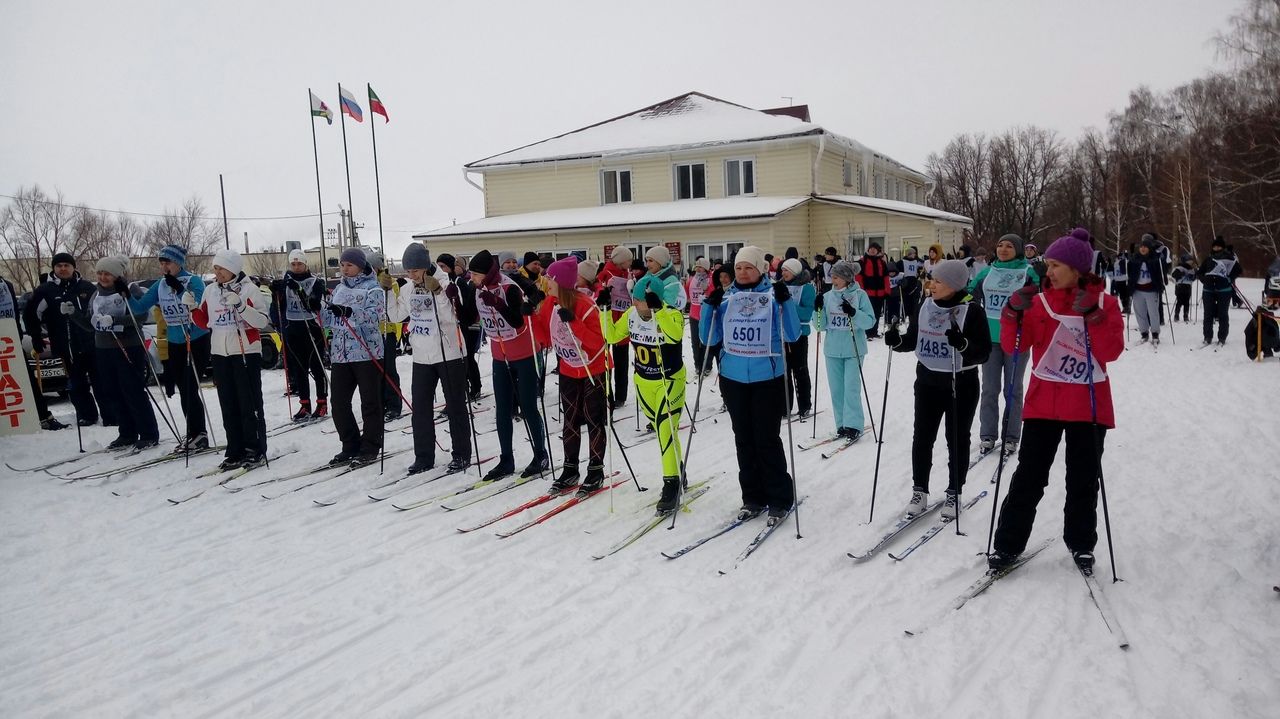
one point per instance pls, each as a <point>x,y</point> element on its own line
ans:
<point>233,605</point>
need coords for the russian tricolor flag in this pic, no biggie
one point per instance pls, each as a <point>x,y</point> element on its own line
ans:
<point>349,106</point>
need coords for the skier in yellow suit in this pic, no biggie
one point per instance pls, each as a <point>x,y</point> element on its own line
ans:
<point>656,331</point>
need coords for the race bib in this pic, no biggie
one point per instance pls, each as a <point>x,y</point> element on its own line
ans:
<point>932,348</point>
<point>565,344</point>
<point>422,318</point>
<point>646,342</point>
<point>1144,274</point>
<point>620,297</point>
<point>999,284</point>
<point>748,324</point>
<point>1066,360</point>
<point>1221,268</point>
<point>170,302</point>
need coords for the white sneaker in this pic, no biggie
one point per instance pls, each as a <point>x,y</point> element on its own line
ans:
<point>986,446</point>
<point>950,505</point>
<point>919,500</point>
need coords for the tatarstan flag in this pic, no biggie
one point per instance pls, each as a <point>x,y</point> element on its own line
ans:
<point>319,109</point>
<point>375,105</point>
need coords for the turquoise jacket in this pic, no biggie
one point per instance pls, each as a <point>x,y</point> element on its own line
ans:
<point>975,287</point>
<point>839,342</point>
<point>803,290</point>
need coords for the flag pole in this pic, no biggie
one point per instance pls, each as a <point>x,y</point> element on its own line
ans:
<point>324,263</point>
<point>382,244</point>
<point>226,234</point>
<point>350,211</point>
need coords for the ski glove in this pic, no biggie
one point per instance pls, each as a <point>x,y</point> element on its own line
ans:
<point>892,337</point>
<point>174,283</point>
<point>780,291</point>
<point>1087,302</point>
<point>526,309</point>
<point>818,302</point>
<point>68,309</point>
<point>1020,301</point>
<point>956,338</point>
<point>847,307</point>
<point>605,298</point>
<point>121,286</point>
<point>340,310</point>
<point>37,345</point>
<point>232,300</point>
<point>189,300</point>
<point>430,284</point>
<point>492,299</point>
<point>103,323</point>
<point>451,291</point>
<point>652,299</point>
<point>716,297</point>
<point>565,314</point>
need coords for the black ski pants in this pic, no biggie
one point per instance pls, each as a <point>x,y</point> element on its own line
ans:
<point>933,406</point>
<point>187,379</point>
<point>1217,305</point>
<point>1040,440</point>
<point>517,380</point>
<point>239,382</point>
<point>472,339</point>
<point>391,379</point>
<point>755,411</point>
<point>621,372</point>
<point>303,343</point>
<point>799,388</point>
<point>452,376</point>
<point>124,388</point>
<point>346,377</point>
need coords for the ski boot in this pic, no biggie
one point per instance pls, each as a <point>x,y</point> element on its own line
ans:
<point>252,460</point>
<point>230,463</point>
<point>985,446</point>
<point>567,480</point>
<point>457,465</point>
<point>52,424</point>
<point>998,560</point>
<point>1010,448</point>
<point>322,408</point>
<point>849,433</point>
<point>951,505</point>
<point>670,495</point>
<point>419,466</point>
<point>364,459</point>
<point>121,443</point>
<point>919,500</point>
<point>749,512</point>
<point>304,411</point>
<point>593,482</point>
<point>343,457</point>
<point>145,444</point>
<point>1084,561</point>
<point>776,516</point>
<point>538,466</point>
<point>504,468</point>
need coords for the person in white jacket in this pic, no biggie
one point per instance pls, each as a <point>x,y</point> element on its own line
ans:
<point>430,302</point>
<point>234,311</point>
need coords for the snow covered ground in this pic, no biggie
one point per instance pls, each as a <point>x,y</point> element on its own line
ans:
<point>233,605</point>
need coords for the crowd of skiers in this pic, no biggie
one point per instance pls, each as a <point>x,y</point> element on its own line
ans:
<point>975,323</point>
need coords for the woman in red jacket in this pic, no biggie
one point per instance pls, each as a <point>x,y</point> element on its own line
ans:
<point>1072,322</point>
<point>570,323</point>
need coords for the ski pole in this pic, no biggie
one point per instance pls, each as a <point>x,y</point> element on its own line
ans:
<point>791,446</point>
<point>1004,434</point>
<point>866,394</point>
<point>260,421</point>
<point>817,355</point>
<point>953,463</point>
<point>540,368</point>
<point>577,346</point>
<point>394,386</point>
<point>70,380</point>
<point>884,404</point>
<point>471,416</point>
<point>171,422</point>
<point>697,402</point>
<point>511,376</point>
<point>154,403</point>
<point>1164,302</point>
<point>1097,450</point>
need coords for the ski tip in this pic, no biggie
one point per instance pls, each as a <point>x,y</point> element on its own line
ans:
<point>908,632</point>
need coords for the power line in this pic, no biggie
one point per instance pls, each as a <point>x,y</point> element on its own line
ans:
<point>153,214</point>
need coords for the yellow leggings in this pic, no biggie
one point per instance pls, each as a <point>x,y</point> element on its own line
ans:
<point>652,395</point>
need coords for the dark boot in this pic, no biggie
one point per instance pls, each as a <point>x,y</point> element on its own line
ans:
<point>670,495</point>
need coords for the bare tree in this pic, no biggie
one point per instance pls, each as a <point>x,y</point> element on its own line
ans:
<point>33,227</point>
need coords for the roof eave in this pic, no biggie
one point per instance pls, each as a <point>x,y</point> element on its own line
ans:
<point>642,151</point>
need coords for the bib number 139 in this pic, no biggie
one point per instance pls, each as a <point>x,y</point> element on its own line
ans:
<point>1072,367</point>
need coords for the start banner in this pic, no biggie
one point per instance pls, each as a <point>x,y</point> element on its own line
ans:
<point>17,404</point>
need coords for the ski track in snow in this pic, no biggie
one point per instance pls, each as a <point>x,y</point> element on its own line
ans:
<point>232,605</point>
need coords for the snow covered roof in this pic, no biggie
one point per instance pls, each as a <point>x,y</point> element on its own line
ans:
<point>903,208</point>
<point>690,121</point>
<point>640,214</point>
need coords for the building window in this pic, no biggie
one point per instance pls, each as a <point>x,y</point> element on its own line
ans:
<point>691,181</point>
<point>876,185</point>
<point>858,244</point>
<point>715,252</point>
<point>848,174</point>
<point>911,194</point>
<point>739,177</point>
<point>615,186</point>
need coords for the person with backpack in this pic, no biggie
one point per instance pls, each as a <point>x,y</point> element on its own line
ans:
<point>1218,273</point>
<point>1072,329</point>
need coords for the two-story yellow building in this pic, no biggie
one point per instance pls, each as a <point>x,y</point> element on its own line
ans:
<point>704,177</point>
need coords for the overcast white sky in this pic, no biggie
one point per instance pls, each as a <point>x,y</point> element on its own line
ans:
<point>137,106</point>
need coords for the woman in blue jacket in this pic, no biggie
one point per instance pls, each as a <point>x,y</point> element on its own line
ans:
<point>752,320</point>
<point>845,315</point>
<point>800,284</point>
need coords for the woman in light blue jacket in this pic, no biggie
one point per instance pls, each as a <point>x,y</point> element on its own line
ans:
<point>752,320</point>
<point>845,314</point>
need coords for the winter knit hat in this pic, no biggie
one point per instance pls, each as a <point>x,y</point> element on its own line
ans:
<point>114,264</point>
<point>354,256</point>
<point>481,262</point>
<point>753,255</point>
<point>174,254</point>
<point>846,270</point>
<point>229,260</point>
<point>448,259</point>
<point>952,273</point>
<point>529,257</point>
<point>830,251</point>
<point>506,256</point>
<point>298,256</point>
<point>703,263</point>
<point>377,261</point>
<point>1073,251</point>
<point>587,270</point>
<point>792,253</point>
<point>62,257</point>
<point>637,265</point>
<point>1218,242</point>
<point>1017,242</point>
<point>564,272</point>
<point>659,254</point>
<point>620,256</point>
<point>416,257</point>
<point>794,266</point>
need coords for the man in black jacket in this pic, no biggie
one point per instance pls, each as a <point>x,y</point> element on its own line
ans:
<point>1218,273</point>
<point>52,306</point>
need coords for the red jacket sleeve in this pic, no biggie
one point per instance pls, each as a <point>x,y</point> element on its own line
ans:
<point>542,322</point>
<point>200,316</point>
